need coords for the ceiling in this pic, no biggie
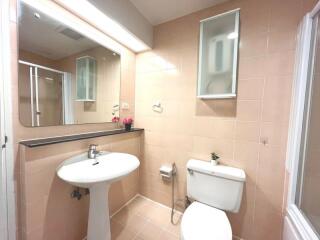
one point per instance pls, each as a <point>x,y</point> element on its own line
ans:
<point>157,12</point>
<point>47,37</point>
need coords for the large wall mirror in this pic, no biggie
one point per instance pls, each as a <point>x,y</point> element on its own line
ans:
<point>64,77</point>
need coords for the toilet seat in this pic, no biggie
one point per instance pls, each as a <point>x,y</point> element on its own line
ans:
<point>202,222</point>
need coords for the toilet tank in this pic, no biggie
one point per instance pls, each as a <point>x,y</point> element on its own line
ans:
<point>216,185</point>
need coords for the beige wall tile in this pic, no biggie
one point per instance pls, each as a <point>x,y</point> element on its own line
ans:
<point>253,45</point>
<point>276,99</point>
<point>280,63</point>
<point>187,128</point>
<point>281,41</point>
<point>247,131</point>
<point>35,169</point>
<point>203,146</point>
<point>235,128</point>
<point>46,207</point>
<point>247,64</point>
<point>248,110</point>
<point>246,85</point>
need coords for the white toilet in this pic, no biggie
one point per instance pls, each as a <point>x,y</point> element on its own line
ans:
<point>214,189</point>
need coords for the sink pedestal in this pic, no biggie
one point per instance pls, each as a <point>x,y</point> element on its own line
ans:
<point>99,220</point>
<point>84,172</point>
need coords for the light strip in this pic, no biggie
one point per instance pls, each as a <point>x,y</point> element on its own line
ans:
<point>57,12</point>
<point>94,16</point>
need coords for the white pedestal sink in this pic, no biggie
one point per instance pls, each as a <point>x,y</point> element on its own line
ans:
<point>87,173</point>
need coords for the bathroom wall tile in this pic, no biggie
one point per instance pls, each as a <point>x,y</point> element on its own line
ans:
<point>224,108</point>
<point>203,146</point>
<point>271,172</point>
<point>246,64</point>
<point>235,127</point>
<point>280,63</point>
<point>248,110</point>
<point>35,218</point>
<point>308,5</point>
<point>276,100</point>
<point>153,180</point>
<point>245,87</point>
<point>253,45</point>
<point>246,157</point>
<point>254,17</point>
<point>281,41</point>
<point>247,131</point>
<point>242,222</point>
<point>156,195</point>
<point>35,179</point>
<point>203,126</point>
<point>177,142</point>
<point>268,222</point>
<point>275,134</point>
<point>224,128</point>
<point>153,138</point>
<point>281,17</point>
<point>38,185</point>
<point>188,127</point>
<point>46,204</point>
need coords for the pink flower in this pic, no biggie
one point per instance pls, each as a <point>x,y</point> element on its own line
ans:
<point>127,120</point>
<point>115,119</point>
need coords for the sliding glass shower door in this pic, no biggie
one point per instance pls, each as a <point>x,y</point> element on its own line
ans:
<point>41,91</point>
<point>308,183</point>
<point>49,97</point>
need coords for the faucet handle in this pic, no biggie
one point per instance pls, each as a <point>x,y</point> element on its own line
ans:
<point>93,146</point>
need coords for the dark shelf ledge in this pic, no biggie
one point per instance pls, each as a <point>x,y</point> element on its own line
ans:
<point>68,138</point>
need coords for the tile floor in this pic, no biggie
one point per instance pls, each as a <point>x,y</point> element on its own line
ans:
<point>143,219</point>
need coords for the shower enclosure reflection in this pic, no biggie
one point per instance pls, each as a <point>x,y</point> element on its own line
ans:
<point>64,77</point>
<point>43,88</point>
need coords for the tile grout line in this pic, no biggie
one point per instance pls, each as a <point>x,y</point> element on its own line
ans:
<point>126,204</point>
<point>136,235</point>
<point>157,203</point>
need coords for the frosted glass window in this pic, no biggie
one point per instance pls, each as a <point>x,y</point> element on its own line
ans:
<point>218,56</point>
<point>86,79</point>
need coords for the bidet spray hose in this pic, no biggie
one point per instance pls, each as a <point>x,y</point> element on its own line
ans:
<point>174,171</point>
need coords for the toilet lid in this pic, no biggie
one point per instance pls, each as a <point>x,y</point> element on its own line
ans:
<point>202,222</point>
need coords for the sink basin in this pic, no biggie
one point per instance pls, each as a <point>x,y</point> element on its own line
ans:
<point>97,175</point>
<point>83,172</point>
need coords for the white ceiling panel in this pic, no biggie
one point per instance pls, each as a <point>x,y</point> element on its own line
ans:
<point>160,11</point>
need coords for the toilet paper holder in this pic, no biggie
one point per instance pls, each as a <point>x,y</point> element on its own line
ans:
<point>167,171</point>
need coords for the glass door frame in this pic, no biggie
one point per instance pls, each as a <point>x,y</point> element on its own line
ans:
<point>8,225</point>
<point>35,110</point>
<point>302,81</point>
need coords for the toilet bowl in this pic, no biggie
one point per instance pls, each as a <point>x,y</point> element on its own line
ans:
<point>202,222</point>
<point>213,190</point>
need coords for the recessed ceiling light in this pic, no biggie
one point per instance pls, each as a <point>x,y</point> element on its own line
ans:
<point>232,35</point>
<point>37,15</point>
<point>114,54</point>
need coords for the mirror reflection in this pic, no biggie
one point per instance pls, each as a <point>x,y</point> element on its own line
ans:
<point>64,77</point>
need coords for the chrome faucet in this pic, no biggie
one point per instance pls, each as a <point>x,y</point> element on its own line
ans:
<point>93,152</point>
